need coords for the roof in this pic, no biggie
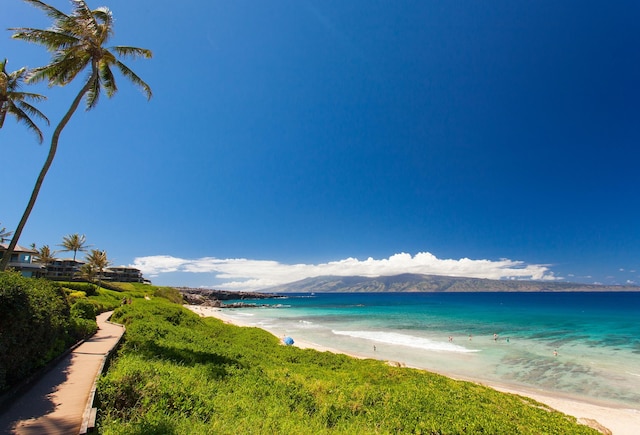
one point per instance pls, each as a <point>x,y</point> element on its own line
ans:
<point>18,248</point>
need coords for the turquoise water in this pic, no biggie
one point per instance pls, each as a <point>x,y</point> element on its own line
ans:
<point>582,345</point>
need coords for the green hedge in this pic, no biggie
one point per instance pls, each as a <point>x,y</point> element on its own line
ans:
<point>86,287</point>
<point>34,322</point>
<point>37,324</point>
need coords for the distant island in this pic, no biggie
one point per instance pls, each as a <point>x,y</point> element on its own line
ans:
<point>432,283</point>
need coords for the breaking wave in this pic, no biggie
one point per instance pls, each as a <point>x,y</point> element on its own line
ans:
<point>406,340</point>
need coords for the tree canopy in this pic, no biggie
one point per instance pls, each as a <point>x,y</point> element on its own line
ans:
<point>15,102</point>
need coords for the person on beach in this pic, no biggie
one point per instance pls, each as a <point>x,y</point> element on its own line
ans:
<point>495,337</point>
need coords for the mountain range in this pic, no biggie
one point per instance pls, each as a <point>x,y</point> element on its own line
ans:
<point>432,283</point>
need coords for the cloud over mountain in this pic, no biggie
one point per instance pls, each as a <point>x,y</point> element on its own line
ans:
<point>246,274</point>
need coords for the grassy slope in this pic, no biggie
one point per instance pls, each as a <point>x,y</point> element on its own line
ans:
<point>181,374</point>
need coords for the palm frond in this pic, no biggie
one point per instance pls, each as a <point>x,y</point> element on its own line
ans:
<point>107,79</point>
<point>93,94</point>
<point>32,111</point>
<point>52,40</point>
<point>32,97</point>
<point>14,79</point>
<point>85,18</point>
<point>103,14</point>
<point>12,100</point>
<point>104,17</point>
<point>134,79</point>
<point>75,61</point>
<point>23,117</point>
<point>132,52</point>
<point>48,9</point>
<point>64,67</point>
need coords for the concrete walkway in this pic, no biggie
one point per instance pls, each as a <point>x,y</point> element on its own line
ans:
<point>57,403</point>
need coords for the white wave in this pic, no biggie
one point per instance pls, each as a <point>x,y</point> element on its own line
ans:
<point>634,374</point>
<point>406,340</point>
<point>305,324</point>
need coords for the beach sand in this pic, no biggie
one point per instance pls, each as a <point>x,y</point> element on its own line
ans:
<point>617,421</point>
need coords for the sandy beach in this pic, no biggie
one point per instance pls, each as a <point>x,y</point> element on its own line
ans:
<point>617,421</point>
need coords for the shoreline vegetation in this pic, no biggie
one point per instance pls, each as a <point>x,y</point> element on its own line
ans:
<point>603,417</point>
<point>180,372</point>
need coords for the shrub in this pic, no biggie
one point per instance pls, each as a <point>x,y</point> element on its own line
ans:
<point>34,318</point>
<point>82,328</point>
<point>83,309</point>
<point>74,296</point>
<point>88,288</point>
<point>169,293</point>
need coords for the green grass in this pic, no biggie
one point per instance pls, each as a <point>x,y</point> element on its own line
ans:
<point>180,374</point>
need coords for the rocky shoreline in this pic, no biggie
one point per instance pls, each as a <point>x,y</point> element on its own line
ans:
<point>215,298</point>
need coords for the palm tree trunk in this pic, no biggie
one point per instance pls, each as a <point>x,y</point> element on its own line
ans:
<point>43,172</point>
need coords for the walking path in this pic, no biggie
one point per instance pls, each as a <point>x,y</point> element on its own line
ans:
<point>59,401</point>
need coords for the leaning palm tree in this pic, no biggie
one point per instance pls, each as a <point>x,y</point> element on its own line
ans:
<point>77,42</point>
<point>15,102</point>
<point>74,242</point>
<point>99,262</point>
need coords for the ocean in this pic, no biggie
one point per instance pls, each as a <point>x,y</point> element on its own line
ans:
<point>582,345</point>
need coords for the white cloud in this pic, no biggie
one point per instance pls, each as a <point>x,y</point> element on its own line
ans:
<point>245,274</point>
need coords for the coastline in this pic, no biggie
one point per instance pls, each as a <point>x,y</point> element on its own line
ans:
<point>620,421</point>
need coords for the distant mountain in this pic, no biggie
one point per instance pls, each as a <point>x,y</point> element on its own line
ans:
<point>431,283</point>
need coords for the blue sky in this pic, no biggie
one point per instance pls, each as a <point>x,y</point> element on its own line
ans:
<point>297,137</point>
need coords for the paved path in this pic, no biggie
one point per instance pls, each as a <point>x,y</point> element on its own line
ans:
<point>57,402</point>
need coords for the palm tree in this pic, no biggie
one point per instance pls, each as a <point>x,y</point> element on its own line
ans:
<point>87,272</point>
<point>76,42</point>
<point>74,242</point>
<point>98,261</point>
<point>4,234</point>
<point>14,102</point>
<point>45,256</point>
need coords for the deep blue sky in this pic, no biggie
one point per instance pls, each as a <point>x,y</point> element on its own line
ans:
<point>301,131</point>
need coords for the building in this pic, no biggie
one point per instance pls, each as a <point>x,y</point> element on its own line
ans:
<point>67,270</point>
<point>22,260</point>
<point>123,274</point>
<point>63,269</point>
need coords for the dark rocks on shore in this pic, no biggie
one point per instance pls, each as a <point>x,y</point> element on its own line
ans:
<point>214,298</point>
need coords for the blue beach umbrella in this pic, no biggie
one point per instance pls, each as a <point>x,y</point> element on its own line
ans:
<point>287,340</point>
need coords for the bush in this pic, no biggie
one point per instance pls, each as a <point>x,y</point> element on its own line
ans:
<point>34,319</point>
<point>88,288</point>
<point>83,309</point>
<point>74,296</point>
<point>170,294</point>
<point>82,328</point>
